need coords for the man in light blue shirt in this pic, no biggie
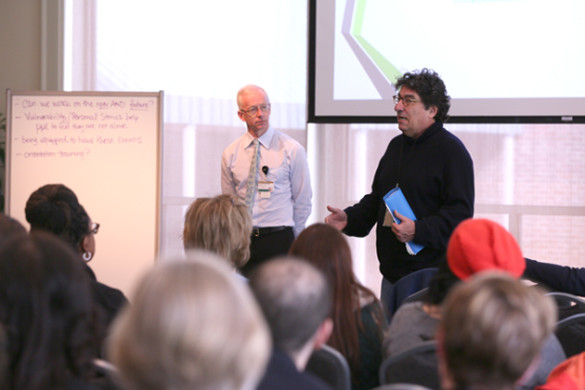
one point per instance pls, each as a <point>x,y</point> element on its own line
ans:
<point>280,203</point>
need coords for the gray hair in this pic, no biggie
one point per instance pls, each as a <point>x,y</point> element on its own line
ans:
<point>295,297</point>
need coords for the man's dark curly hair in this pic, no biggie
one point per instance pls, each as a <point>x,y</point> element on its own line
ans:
<point>55,208</point>
<point>430,88</point>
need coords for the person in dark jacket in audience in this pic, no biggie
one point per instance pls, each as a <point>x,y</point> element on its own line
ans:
<point>295,298</point>
<point>476,245</point>
<point>557,277</point>
<point>55,208</point>
<point>49,317</point>
<point>492,332</point>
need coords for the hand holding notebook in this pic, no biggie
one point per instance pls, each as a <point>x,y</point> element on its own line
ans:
<point>396,201</point>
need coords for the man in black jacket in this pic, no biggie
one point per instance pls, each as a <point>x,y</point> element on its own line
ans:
<point>435,172</point>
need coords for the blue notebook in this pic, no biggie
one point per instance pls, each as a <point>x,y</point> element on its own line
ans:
<point>395,200</point>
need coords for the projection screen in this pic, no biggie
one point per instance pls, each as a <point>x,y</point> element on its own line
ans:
<point>502,60</point>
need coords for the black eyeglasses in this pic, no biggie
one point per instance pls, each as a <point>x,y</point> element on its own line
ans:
<point>406,101</point>
<point>254,109</point>
<point>95,228</point>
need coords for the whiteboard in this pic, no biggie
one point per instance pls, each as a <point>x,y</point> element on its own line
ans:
<point>106,147</point>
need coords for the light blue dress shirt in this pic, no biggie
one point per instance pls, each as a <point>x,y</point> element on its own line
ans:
<point>289,203</point>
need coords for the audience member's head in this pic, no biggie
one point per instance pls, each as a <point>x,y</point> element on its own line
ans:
<point>56,209</point>
<point>48,314</point>
<point>221,225</point>
<point>191,325</point>
<point>476,245</point>
<point>296,300</point>
<point>8,227</point>
<point>326,248</point>
<point>479,245</point>
<point>492,331</point>
<point>440,284</point>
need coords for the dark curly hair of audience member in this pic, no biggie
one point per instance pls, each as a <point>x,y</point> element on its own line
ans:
<point>440,284</point>
<point>431,89</point>
<point>55,208</point>
<point>47,312</point>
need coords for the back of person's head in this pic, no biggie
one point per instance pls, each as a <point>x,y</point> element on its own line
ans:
<point>295,298</point>
<point>326,248</point>
<point>492,331</point>
<point>47,311</point>
<point>431,89</point>
<point>9,227</point>
<point>481,244</point>
<point>441,284</point>
<point>221,225</point>
<point>55,208</point>
<point>191,325</point>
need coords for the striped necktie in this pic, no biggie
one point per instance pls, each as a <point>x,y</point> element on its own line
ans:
<point>252,182</point>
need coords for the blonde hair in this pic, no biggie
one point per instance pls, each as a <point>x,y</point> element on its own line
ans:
<point>492,329</point>
<point>221,225</point>
<point>192,325</point>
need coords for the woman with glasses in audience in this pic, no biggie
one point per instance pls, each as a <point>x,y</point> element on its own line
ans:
<point>56,209</point>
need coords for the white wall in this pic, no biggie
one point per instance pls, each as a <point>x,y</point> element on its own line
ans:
<point>20,46</point>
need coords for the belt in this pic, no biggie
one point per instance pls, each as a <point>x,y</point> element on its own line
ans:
<point>262,231</point>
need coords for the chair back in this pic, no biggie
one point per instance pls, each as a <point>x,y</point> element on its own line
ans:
<point>567,304</point>
<point>330,365</point>
<point>417,296</point>
<point>106,375</point>
<point>571,334</point>
<point>417,365</point>
<point>570,329</point>
<point>406,286</point>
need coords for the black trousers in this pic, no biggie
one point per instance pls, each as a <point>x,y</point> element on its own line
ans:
<point>267,243</point>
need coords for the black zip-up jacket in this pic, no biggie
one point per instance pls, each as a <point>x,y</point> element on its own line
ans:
<point>435,172</point>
